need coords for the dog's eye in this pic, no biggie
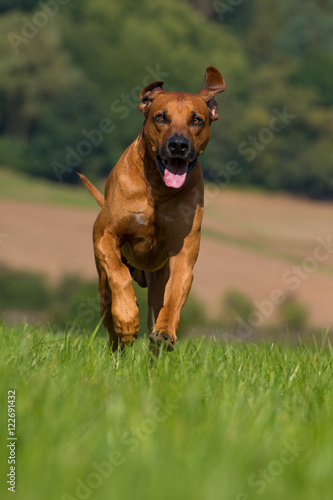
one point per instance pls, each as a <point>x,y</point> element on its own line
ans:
<point>196,120</point>
<point>161,118</point>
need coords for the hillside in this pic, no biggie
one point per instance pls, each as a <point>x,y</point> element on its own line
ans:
<point>253,242</point>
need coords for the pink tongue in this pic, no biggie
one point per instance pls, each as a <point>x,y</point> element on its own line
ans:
<point>175,172</point>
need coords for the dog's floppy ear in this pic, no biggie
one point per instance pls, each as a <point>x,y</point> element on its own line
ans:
<point>148,94</point>
<point>213,84</point>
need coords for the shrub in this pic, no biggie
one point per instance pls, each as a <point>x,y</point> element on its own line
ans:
<point>23,290</point>
<point>235,304</point>
<point>293,314</point>
<point>73,303</point>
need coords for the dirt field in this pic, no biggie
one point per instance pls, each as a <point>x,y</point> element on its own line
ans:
<point>260,244</point>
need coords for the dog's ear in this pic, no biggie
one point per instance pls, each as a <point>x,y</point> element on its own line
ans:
<point>148,94</point>
<point>213,84</point>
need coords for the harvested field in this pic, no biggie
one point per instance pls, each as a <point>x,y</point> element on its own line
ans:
<point>252,242</point>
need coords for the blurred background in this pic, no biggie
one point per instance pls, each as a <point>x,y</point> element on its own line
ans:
<point>70,77</point>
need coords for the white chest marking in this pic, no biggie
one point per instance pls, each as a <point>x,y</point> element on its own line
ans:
<point>141,219</point>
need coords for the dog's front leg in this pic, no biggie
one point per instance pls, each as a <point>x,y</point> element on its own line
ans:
<point>124,309</point>
<point>176,291</point>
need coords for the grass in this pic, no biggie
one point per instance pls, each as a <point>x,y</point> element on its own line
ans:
<point>20,187</point>
<point>209,421</point>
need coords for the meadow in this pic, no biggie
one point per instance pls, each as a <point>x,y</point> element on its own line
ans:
<point>211,420</point>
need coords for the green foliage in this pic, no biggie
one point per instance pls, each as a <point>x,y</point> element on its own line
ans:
<point>90,62</point>
<point>72,304</point>
<point>30,78</point>
<point>192,315</point>
<point>237,308</point>
<point>307,26</point>
<point>222,420</point>
<point>13,151</point>
<point>315,70</point>
<point>23,290</point>
<point>311,171</point>
<point>25,5</point>
<point>75,305</point>
<point>235,304</point>
<point>69,128</point>
<point>294,314</point>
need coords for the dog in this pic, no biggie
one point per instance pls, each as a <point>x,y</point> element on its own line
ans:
<point>150,223</point>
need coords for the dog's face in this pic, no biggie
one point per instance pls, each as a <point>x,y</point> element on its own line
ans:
<point>177,125</point>
<point>177,130</point>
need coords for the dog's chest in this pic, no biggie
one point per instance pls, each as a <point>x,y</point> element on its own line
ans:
<point>142,219</point>
<point>141,227</point>
<point>149,221</point>
<point>145,246</point>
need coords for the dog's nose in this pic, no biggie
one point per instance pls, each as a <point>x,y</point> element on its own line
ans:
<point>178,145</point>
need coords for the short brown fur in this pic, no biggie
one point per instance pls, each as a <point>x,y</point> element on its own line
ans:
<point>146,230</point>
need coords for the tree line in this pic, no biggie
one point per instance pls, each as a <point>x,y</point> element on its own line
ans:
<point>71,75</point>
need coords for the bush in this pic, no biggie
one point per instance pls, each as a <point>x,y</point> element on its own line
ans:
<point>13,151</point>
<point>293,314</point>
<point>235,304</point>
<point>192,315</point>
<point>73,303</point>
<point>22,290</point>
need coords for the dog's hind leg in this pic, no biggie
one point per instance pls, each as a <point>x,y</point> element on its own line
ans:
<point>105,300</point>
<point>156,287</point>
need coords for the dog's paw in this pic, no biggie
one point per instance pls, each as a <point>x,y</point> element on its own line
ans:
<point>127,338</point>
<point>162,338</point>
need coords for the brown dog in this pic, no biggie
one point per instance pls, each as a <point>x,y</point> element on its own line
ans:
<point>150,222</point>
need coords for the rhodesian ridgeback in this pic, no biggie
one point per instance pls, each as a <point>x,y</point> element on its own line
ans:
<point>149,226</point>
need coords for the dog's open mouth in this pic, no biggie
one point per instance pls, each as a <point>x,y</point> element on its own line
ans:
<point>174,170</point>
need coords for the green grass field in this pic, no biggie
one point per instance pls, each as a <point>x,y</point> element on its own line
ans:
<point>210,421</point>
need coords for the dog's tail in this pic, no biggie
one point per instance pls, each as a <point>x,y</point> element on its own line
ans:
<point>93,190</point>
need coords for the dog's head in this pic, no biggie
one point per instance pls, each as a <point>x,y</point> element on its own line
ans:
<point>176,127</point>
